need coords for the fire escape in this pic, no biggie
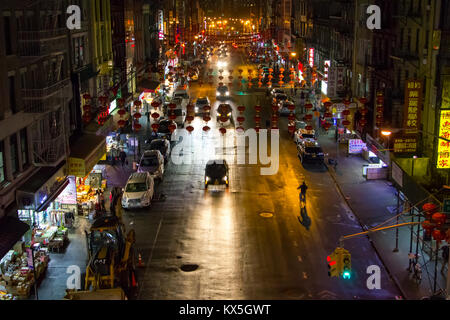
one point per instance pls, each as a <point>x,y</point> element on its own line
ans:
<point>46,97</point>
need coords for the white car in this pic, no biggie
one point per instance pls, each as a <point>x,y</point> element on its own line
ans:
<point>139,191</point>
<point>152,161</point>
<point>200,103</point>
<point>222,92</point>
<point>302,134</point>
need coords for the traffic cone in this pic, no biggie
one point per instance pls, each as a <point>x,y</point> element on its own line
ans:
<point>133,281</point>
<point>140,264</point>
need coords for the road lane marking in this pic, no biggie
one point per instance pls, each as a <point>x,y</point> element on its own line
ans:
<point>305,276</point>
<point>299,259</point>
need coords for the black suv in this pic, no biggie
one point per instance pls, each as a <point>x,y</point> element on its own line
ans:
<point>310,151</point>
<point>216,173</point>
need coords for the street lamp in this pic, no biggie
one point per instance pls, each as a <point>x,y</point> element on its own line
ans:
<point>387,134</point>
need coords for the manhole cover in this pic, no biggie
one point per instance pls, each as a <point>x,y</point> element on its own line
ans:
<point>189,267</point>
<point>266,214</point>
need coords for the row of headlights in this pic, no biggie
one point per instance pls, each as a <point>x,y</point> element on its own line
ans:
<point>226,93</point>
<point>225,178</point>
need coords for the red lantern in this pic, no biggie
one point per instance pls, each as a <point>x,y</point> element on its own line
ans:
<point>137,115</point>
<point>172,116</point>
<point>274,118</point>
<point>155,104</point>
<point>241,108</point>
<point>223,130</point>
<point>345,122</point>
<point>155,126</point>
<point>206,108</point>
<point>291,107</point>
<point>172,127</point>
<point>206,118</point>
<point>223,119</point>
<point>291,129</point>
<point>291,117</point>
<point>308,106</point>
<point>190,129</point>
<point>438,235</point>
<point>307,117</point>
<point>257,129</point>
<point>240,119</point>
<point>86,117</point>
<point>102,109</point>
<point>363,111</point>
<point>363,100</point>
<point>257,108</point>
<point>274,108</point>
<point>155,115</point>
<point>326,126</point>
<point>439,218</point>
<point>189,118</point>
<point>87,108</point>
<point>362,122</point>
<point>172,105</point>
<point>121,123</point>
<point>230,78</point>
<point>137,126</point>
<point>121,112</point>
<point>220,84</point>
<point>220,78</point>
<point>429,209</point>
<point>346,112</point>
<point>328,114</point>
<point>346,102</point>
<point>257,118</point>
<point>308,127</point>
<point>87,96</point>
<point>206,128</point>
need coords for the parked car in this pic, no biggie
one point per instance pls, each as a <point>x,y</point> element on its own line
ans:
<point>283,107</point>
<point>179,112</point>
<point>280,97</point>
<point>303,134</point>
<point>152,161</point>
<point>222,92</point>
<point>276,91</point>
<point>163,146</point>
<point>216,173</point>
<point>224,110</point>
<point>200,103</point>
<point>163,129</point>
<point>139,191</point>
<point>310,151</point>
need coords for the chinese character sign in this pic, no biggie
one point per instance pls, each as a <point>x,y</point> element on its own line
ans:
<point>413,105</point>
<point>405,144</point>
<point>340,78</point>
<point>311,57</point>
<point>331,89</point>
<point>443,155</point>
<point>446,93</point>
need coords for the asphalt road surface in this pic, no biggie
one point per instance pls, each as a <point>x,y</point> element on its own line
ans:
<point>247,242</point>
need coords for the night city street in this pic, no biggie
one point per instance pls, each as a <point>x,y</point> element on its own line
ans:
<point>224,150</point>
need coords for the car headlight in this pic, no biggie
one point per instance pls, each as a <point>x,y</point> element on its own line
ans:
<point>207,180</point>
<point>217,93</point>
<point>227,93</point>
<point>229,114</point>
<point>225,179</point>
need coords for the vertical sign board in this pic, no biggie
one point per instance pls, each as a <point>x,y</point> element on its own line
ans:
<point>311,57</point>
<point>446,93</point>
<point>340,78</point>
<point>443,155</point>
<point>331,89</point>
<point>413,105</point>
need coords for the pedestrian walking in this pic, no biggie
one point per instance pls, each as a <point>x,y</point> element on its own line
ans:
<point>303,187</point>
<point>444,257</point>
<point>123,157</point>
<point>102,200</point>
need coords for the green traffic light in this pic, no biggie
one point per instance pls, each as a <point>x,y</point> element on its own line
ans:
<point>346,275</point>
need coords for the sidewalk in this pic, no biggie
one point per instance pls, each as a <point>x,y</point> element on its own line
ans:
<point>373,202</point>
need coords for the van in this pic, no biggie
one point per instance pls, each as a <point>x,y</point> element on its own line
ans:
<point>139,191</point>
<point>179,111</point>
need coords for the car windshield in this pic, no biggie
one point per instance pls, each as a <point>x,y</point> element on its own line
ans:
<point>308,136</point>
<point>157,144</point>
<point>282,97</point>
<point>202,101</point>
<point>222,89</point>
<point>163,127</point>
<point>215,170</point>
<point>136,187</point>
<point>223,108</point>
<point>151,161</point>
<point>177,112</point>
<point>314,150</point>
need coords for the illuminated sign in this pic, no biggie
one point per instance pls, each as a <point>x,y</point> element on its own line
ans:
<point>160,25</point>
<point>413,104</point>
<point>311,57</point>
<point>355,145</point>
<point>380,108</point>
<point>443,155</point>
<point>405,144</point>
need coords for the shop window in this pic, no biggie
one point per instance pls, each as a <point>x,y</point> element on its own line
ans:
<point>2,162</point>
<point>24,146</point>
<point>14,154</point>
<point>12,93</point>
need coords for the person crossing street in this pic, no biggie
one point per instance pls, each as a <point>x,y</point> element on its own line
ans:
<point>303,187</point>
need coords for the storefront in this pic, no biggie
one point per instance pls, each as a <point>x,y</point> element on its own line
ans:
<point>378,158</point>
<point>84,168</point>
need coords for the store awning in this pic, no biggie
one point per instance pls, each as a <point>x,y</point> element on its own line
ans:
<point>85,153</point>
<point>147,85</point>
<point>11,231</point>
<point>40,186</point>
<point>44,205</point>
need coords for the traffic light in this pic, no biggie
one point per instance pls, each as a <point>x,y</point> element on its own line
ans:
<point>346,264</point>
<point>332,265</point>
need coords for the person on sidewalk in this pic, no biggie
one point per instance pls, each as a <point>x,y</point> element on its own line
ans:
<point>123,157</point>
<point>303,187</point>
<point>444,257</point>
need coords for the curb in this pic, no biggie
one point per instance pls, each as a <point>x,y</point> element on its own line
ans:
<point>394,279</point>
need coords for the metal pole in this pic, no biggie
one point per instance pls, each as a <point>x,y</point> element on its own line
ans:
<point>435,266</point>
<point>396,229</point>
<point>411,239</point>
<point>448,278</point>
<point>418,236</point>
<point>36,295</point>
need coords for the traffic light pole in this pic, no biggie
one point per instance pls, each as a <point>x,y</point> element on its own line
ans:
<point>343,238</point>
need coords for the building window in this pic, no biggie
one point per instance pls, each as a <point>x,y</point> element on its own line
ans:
<point>14,154</point>
<point>7,31</point>
<point>24,146</point>
<point>23,79</point>
<point>12,93</point>
<point>2,162</point>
